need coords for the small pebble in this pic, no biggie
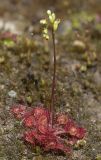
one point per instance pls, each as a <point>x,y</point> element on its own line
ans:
<point>79,46</point>
<point>2,60</point>
<point>83,68</point>
<point>97,78</point>
<point>2,87</point>
<point>12,94</point>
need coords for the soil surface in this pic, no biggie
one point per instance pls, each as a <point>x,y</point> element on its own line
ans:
<point>26,68</point>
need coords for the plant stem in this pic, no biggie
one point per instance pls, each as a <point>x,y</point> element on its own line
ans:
<point>52,108</point>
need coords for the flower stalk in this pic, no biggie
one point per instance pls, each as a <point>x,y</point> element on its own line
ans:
<point>52,108</point>
<point>51,23</point>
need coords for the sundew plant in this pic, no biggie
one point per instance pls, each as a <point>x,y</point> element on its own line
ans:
<point>46,128</point>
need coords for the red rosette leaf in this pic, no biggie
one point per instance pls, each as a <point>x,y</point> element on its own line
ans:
<point>62,119</point>
<point>29,121</point>
<point>28,137</point>
<point>43,124</point>
<point>57,146</point>
<point>71,128</point>
<point>81,132</point>
<point>39,111</point>
<point>72,140</point>
<point>19,111</point>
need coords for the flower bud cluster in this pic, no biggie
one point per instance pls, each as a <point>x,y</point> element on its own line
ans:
<point>51,22</point>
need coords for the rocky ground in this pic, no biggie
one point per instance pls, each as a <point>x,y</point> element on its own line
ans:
<point>26,72</point>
